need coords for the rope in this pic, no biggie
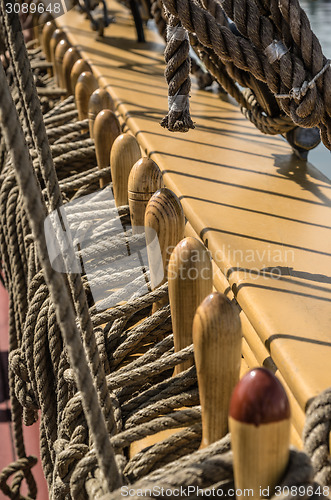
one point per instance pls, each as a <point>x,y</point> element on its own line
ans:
<point>33,206</point>
<point>177,75</point>
<point>256,49</point>
<point>46,323</point>
<point>316,436</point>
<point>298,92</point>
<point>16,469</point>
<point>225,76</point>
<point>102,379</point>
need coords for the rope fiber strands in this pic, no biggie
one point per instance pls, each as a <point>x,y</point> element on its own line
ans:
<point>270,43</point>
<point>97,374</point>
<point>316,435</point>
<point>65,315</point>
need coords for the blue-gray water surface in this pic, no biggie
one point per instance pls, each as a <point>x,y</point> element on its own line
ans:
<point>319,13</point>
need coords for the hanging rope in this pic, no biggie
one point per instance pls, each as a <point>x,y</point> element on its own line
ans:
<point>177,75</point>
<point>36,212</point>
<point>301,85</point>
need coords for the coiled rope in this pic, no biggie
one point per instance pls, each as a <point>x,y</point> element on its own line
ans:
<point>36,212</point>
<point>274,44</point>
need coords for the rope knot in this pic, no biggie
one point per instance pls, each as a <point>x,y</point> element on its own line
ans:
<point>23,391</point>
<point>305,106</point>
<point>18,469</point>
<point>297,93</point>
<point>17,364</point>
<point>68,458</point>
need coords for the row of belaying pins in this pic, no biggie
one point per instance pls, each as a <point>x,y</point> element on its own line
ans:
<point>256,409</point>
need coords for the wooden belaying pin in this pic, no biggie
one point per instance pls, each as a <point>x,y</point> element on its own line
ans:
<point>85,86</point>
<point>106,129</point>
<point>44,18</point>
<point>99,100</point>
<point>35,27</point>
<point>69,59</point>
<point>145,178</point>
<point>190,279</point>
<point>259,421</point>
<point>124,154</point>
<point>164,228</point>
<point>47,33</point>
<point>39,21</point>
<point>56,37</point>
<point>77,69</point>
<point>217,352</point>
<point>60,51</point>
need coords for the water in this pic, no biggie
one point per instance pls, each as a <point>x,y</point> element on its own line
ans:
<point>319,13</point>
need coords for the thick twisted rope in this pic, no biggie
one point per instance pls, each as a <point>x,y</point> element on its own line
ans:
<point>34,208</point>
<point>177,75</point>
<point>309,46</point>
<point>262,33</point>
<point>248,52</point>
<point>248,104</point>
<point>141,407</point>
<point>204,79</point>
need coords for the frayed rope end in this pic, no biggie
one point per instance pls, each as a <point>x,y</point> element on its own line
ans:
<point>178,118</point>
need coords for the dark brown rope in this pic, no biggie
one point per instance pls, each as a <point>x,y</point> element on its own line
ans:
<point>177,75</point>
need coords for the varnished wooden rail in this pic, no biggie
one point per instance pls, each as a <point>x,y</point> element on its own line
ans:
<point>263,215</point>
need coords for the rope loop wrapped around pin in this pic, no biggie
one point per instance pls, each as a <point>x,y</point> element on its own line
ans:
<point>304,104</point>
<point>177,73</point>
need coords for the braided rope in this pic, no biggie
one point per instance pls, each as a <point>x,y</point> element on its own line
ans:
<point>249,52</point>
<point>16,468</point>
<point>177,75</point>
<point>27,182</point>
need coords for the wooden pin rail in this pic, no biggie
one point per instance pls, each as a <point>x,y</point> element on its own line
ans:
<point>262,213</point>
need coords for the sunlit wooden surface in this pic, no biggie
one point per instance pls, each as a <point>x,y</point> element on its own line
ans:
<point>263,214</point>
